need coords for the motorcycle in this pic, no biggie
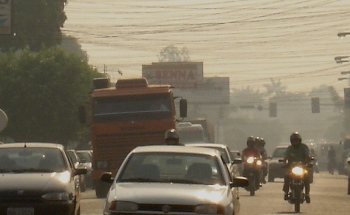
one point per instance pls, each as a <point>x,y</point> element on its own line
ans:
<point>297,172</point>
<point>252,166</point>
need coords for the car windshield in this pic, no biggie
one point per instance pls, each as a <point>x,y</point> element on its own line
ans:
<point>279,152</point>
<point>39,159</point>
<point>172,168</point>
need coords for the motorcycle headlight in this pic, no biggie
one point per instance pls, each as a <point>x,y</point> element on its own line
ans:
<point>250,160</point>
<point>208,209</point>
<point>123,206</point>
<point>298,171</point>
<point>258,162</point>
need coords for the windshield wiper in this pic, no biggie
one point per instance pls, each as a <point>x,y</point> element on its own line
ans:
<point>181,181</point>
<point>138,180</point>
<point>5,170</point>
<point>31,170</point>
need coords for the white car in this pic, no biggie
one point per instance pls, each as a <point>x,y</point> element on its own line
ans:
<point>172,180</point>
<point>232,163</point>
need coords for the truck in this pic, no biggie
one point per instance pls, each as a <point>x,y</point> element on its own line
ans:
<point>190,133</point>
<point>130,114</point>
<point>208,128</point>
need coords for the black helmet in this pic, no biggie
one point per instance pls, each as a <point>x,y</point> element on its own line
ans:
<point>171,134</point>
<point>250,141</point>
<point>295,139</point>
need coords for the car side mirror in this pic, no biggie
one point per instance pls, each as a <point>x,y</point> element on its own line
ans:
<point>107,177</point>
<point>237,160</point>
<point>239,182</point>
<point>80,171</point>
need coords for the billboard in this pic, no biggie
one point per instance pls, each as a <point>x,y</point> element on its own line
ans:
<point>177,74</point>
<point>5,16</point>
<point>212,91</point>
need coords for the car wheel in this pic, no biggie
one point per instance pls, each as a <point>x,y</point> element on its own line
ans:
<point>270,178</point>
<point>78,211</point>
<point>82,186</point>
<point>349,184</point>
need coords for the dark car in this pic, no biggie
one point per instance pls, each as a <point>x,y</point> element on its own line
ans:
<point>275,168</point>
<point>38,178</point>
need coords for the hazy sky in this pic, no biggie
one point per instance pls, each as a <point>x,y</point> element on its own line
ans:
<point>249,41</point>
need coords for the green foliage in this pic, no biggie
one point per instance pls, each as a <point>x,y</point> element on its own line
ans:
<point>172,54</point>
<point>41,93</point>
<point>35,23</point>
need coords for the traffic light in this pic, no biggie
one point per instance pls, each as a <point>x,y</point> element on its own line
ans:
<point>315,105</point>
<point>273,109</point>
<point>347,97</point>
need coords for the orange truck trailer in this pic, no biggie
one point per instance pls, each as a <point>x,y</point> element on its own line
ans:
<point>131,114</point>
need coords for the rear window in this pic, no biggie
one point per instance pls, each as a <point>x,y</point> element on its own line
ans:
<point>279,152</point>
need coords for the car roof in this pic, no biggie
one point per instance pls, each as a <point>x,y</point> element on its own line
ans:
<point>282,146</point>
<point>176,149</point>
<point>32,145</point>
<point>207,145</point>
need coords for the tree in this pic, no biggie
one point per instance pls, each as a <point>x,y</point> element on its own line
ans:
<point>41,93</point>
<point>35,23</point>
<point>172,54</point>
<point>275,88</point>
<point>246,97</point>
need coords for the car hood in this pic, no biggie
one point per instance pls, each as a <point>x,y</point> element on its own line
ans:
<point>165,193</point>
<point>34,181</point>
<point>275,160</point>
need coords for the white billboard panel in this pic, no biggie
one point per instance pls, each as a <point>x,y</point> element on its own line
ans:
<point>177,74</point>
<point>213,90</point>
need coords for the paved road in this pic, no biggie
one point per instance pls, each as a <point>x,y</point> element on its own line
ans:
<point>328,194</point>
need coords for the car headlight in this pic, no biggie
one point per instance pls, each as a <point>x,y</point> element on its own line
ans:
<point>298,171</point>
<point>60,196</point>
<point>209,209</point>
<point>123,206</point>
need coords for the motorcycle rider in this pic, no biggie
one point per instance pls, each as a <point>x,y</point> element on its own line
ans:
<point>260,144</point>
<point>172,137</point>
<point>297,152</point>
<point>251,151</point>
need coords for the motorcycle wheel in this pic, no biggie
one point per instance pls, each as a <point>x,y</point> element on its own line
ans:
<point>297,201</point>
<point>297,207</point>
<point>252,186</point>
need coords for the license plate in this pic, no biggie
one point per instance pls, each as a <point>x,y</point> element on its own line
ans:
<point>20,211</point>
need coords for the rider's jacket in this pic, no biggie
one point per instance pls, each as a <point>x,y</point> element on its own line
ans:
<point>250,152</point>
<point>299,154</point>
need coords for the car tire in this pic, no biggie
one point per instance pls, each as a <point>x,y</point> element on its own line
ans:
<point>82,186</point>
<point>270,178</point>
